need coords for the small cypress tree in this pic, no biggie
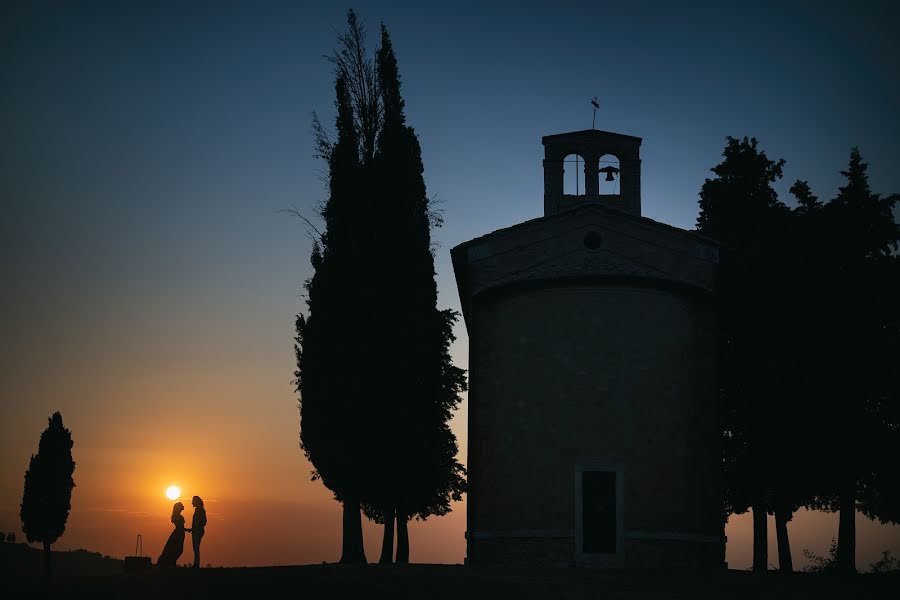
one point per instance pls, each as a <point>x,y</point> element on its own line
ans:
<point>48,488</point>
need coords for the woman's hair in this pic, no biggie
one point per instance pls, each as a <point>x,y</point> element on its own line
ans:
<point>198,500</point>
<point>177,509</point>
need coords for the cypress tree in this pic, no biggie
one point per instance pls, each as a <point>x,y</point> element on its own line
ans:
<point>418,446</point>
<point>374,372</point>
<point>46,500</point>
<point>333,417</point>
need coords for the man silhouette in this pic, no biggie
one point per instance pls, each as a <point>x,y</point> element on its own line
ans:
<point>198,525</point>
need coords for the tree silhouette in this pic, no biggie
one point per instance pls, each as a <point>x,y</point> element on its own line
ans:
<point>418,447</point>
<point>741,210</point>
<point>809,339</point>
<point>807,202</point>
<point>859,398</point>
<point>334,430</point>
<point>48,487</point>
<point>373,368</point>
<point>433,476</point>
<point>11,537</point>
<point>792,378</point>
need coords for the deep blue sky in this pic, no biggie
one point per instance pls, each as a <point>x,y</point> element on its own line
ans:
<point>147,147</point>
<point>161,138</point>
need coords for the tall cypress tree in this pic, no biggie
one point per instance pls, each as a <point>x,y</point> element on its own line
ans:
<point>374,373</point>
<point>420,450</point>
<point>46,500</point>
<point>334,430</point>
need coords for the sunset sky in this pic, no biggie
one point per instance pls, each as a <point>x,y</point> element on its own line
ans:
<point>150,283</point>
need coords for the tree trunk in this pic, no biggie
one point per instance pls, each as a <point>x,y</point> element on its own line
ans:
<point>353,552</point>
<point>402,539</point>
<point>47,569</point>
<point>387,544</point>
<point>782,516</point>
<point>760,539</point>
<point>846,550</point>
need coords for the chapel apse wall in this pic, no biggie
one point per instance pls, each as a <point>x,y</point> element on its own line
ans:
<point>612,380</point>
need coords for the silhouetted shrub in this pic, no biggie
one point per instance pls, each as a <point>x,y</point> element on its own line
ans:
<point>822,564</point>
<point>886,564</point>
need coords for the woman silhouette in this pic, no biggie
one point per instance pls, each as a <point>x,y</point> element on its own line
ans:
<point>175,544</point>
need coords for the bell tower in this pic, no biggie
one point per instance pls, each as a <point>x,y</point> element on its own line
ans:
<point>588,147</point>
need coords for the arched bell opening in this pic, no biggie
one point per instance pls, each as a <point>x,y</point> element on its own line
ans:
<point>573,175</point>
<point>610,174</point>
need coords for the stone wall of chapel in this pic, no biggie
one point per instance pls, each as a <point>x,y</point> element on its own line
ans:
<point>585,374</point>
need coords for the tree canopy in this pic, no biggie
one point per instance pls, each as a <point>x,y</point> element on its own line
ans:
<point>46,500</point>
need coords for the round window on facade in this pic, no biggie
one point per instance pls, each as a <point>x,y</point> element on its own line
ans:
<point>592,240</point>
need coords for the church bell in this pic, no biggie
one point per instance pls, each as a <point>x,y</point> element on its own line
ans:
<point>610,171</point>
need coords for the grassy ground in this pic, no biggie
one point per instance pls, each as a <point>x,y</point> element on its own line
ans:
<point>25,561</point>
<point>436,581</point>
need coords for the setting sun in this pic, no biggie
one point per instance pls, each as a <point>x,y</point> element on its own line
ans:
<point>173,492</point>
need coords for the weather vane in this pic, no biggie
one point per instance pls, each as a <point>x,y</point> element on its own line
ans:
<point>596,106</point>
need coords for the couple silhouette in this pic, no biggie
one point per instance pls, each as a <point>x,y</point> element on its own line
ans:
<point>175,544</point>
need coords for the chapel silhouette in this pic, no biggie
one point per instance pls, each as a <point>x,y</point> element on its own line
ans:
<point>593,436</point>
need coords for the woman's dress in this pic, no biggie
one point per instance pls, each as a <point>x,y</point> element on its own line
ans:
<point>174,546</point>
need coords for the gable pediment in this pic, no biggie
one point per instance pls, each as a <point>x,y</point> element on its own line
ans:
<point>587,242</point>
